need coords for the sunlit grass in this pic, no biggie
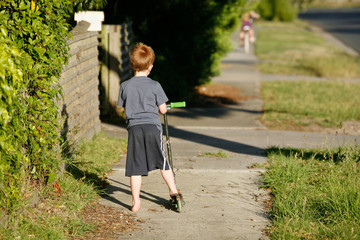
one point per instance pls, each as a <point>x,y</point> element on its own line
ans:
<point>333,4</point>
<point>94,159</point>
<point>316,193</point>
<point>289,104</point>
<point>292,49</point>
<point>58,213</point>
<point>56,216</point>
<point>220,154</point>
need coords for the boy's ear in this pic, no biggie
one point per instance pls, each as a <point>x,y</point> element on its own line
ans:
<point>150,67</point>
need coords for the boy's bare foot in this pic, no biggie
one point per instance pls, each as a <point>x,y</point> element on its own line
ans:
<point>136,207</point>
<point>173,193</point>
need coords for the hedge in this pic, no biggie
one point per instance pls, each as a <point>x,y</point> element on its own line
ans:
<point>33,52</point>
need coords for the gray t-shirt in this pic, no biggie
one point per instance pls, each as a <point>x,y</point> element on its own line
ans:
<point>141,97</point>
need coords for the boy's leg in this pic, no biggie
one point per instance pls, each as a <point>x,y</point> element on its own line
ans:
<point>170,181</point>
<point>252,36</point>
<point>242,37</point>
<point>135,183</point>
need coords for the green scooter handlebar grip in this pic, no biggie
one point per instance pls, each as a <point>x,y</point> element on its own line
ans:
<point>177,104</point>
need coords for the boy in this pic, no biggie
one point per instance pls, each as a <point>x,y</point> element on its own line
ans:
<point>142,99</point>
<point>247,20</point>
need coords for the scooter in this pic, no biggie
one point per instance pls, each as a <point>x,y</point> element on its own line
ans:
<point>177,201</point>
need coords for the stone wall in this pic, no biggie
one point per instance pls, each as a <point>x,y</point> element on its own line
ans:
<point>80,82</point>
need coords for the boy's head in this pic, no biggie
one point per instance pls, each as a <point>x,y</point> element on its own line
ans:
<point>246,17</point>
<point>141,57</point>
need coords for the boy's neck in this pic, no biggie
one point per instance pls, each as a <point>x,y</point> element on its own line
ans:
<point>142,74</point>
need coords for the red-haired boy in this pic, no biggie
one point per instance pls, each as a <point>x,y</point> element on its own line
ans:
<point>142,99</point>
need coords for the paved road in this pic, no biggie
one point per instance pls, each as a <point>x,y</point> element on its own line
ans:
<point>344,24</point>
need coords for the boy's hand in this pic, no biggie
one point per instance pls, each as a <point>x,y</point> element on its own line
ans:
<point>163,108</point>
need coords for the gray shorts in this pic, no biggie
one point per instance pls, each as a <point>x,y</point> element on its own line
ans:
<point>145,151</point>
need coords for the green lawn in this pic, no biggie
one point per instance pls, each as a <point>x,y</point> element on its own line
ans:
<point>296,104</point>
<point>292,49</point>
<point>316,193</point>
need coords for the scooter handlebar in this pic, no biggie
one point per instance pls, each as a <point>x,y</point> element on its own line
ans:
<point>176,105</point>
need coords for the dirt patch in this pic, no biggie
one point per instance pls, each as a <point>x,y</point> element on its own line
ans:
<point>109,222</point>
<point>348,128</point>
<point>216,95</point>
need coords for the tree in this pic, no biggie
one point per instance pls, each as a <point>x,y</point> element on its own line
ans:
<point>283,10</point>
<point>82,5</point>
<point>189,37</point>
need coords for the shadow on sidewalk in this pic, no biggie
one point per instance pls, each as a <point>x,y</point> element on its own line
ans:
<point>190,136</point>
<point>111,189</point>
<point>218,112</point>
<point>230,146</point>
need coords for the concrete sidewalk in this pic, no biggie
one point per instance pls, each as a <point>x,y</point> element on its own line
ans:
<point>223,199</point>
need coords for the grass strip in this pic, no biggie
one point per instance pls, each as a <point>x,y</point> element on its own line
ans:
<point>316,193</point>
<point>289,104</point>
<point>59,213</point>
<point>94,159</point>
<point>333,4</point>
<point>219,154</point>
<point>293,49</point>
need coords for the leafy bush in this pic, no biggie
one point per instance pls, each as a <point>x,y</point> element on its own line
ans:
<point>11,128</point>
<point>82,5</point>
<point>34,50</point>
<point>266,9</point>
<point>189,38</point>
<point>283,10</point>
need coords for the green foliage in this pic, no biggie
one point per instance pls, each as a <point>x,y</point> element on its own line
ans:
<point>315,193</point>
<point>82,5</point>
<point>11,128</point>
<point>283,10</point>
<point>266,9</point>
<point>189,38</point>
<point>59,214</point>
<point>302,4</point>
<point>34,50</point>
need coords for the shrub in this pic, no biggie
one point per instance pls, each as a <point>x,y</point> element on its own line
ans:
<point>82,5</point>
<point>189,38</point>
<point>34,51</point>
<point>283,10</point>
<point>266,9</point>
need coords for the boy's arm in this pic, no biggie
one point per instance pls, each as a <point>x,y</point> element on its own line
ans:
<point>120,102</point>
<point>163,108</point>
